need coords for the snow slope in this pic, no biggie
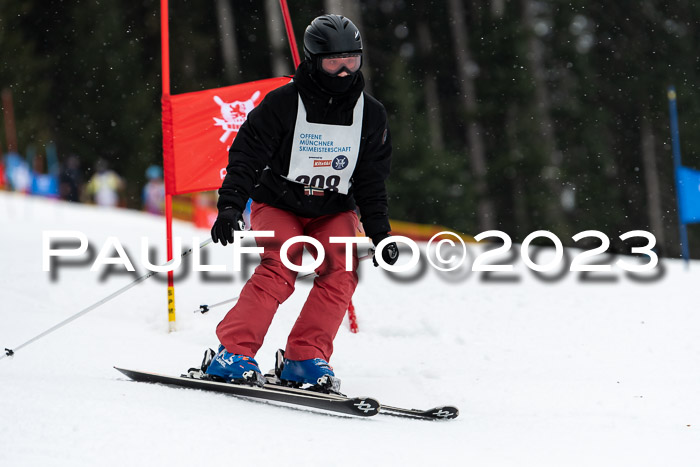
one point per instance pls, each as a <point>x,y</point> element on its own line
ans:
<point>556,373</point>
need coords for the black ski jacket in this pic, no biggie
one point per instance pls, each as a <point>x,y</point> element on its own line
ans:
<point>260,154</point>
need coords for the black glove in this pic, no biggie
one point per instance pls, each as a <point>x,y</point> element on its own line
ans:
<point>390,253</point>
<point>228,220</point>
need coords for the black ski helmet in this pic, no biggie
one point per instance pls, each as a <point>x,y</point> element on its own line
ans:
<point>331,34</point>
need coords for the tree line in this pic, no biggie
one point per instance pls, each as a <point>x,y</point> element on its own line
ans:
<point>515,115</point>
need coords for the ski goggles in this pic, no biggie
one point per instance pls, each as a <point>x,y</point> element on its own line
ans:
<point>334,64</point>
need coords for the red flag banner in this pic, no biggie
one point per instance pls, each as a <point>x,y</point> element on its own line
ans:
<point>198,129</point>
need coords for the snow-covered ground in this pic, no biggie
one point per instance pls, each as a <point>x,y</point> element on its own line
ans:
<point>567,372</point>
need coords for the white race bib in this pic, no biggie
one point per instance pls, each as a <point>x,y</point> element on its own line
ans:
<point>324,156</point>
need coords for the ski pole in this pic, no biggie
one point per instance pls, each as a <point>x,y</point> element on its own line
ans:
<point>205,308</point>
<point>11,352</point>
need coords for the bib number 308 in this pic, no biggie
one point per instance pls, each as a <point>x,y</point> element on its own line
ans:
<point>319,181</point>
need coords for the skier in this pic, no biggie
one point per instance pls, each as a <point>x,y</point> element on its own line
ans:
<point>105,188</point>
<point>311,152</point>
<point>153,193</point>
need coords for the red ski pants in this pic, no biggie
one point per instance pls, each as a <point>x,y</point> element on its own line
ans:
<point>244,327</point>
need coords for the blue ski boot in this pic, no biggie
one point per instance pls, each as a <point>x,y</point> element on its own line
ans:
<point>316,372</point>
<point>234,368</point>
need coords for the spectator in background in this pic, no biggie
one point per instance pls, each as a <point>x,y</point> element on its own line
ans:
<point>71,179</point>
<point>18,173</point>
<point>105,188</point>
<point>154,191</point>
<point>45,176</point>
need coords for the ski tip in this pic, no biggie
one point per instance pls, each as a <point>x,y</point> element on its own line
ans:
<point>446,412</point>
<point>366,406</point>
<point>131,374</point>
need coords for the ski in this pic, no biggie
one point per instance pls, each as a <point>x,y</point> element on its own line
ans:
<point>273,391</point>
<point>358,406</point>
<point>272,381</point>
<point>445,412</point>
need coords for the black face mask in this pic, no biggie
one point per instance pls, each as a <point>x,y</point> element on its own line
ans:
<point>334,84</point>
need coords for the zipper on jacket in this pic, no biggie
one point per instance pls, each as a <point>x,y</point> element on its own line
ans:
<point>328,108</point>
